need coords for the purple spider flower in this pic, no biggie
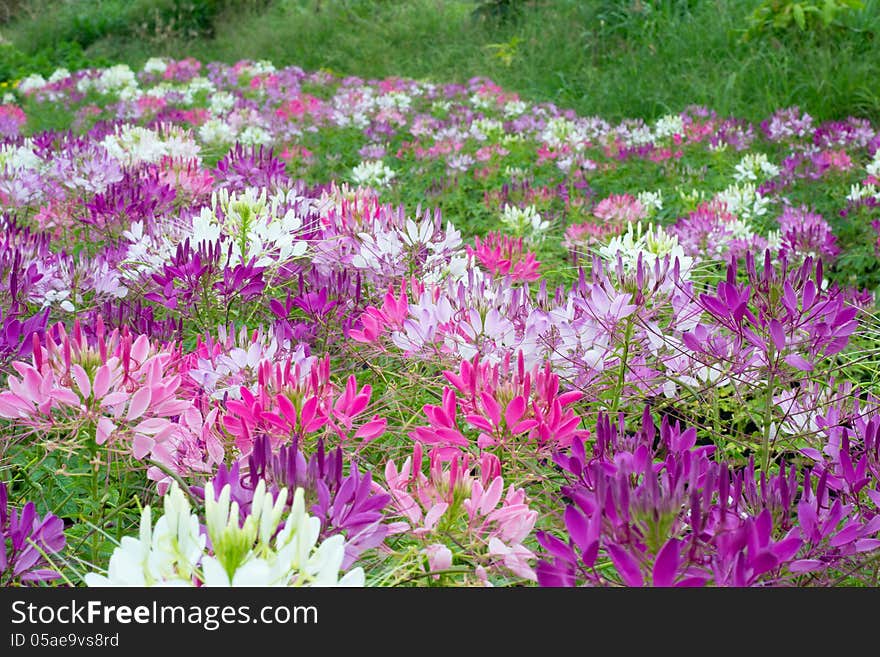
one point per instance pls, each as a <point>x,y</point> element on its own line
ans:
<point>24,536</point>
<point>345,504</point>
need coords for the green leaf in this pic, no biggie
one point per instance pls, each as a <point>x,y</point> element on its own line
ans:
<point>828,11</point>
<point>799,18</point>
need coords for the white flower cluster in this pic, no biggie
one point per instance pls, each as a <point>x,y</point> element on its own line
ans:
<point>197,86</point>
<point>394,100</point>
<point>774,239</point>
<point>754,167</point>
<point>859,192</point>
<point>261,67</point>
<point>255,223</point>
<point>251,220</point>
<point>653,245</point>
<point>59,74</point>
<point>19,158</point>
<point>560,132</point>
<point>524,221</point>
<point>155,65</point>
<point>146,253</point>
<point>481,101</point>
<point>31,83</point>
<point>636,134</point>
<point>119,79</point>
<point>60,298</point>
<point>651,201</point>
<point>873,167</point>
<point>133,144</point>
<point>175,553</point>
<point>254,135</point>
<point>215,132</point>
<point>513,108</point>
<point>669,125</point>
<point>744,201</point>
<point>482,129</point>
<point>372,173</point>
<point>221,102</point>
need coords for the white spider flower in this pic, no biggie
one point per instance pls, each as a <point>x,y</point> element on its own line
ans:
<point>514,108</point>
<point>653,245</point>
<point>669,125</point>
<point>166,555</point>
<point>58,75</point>
<point>372,173</point>
<point>155,65</point>
<point>221,102</point>
<point>744,201</point>
<point>251,553</point>
<point>755,167</point>
<point>31,83</point>
<point>217,131</point>
<point>524,221</point>
<point>651,201</point>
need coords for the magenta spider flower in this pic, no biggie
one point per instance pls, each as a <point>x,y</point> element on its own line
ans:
<point>806,233</point>
<point>243,281</point>
<point>246,167</point>
<point>502,255</point>
<point>24,538</point>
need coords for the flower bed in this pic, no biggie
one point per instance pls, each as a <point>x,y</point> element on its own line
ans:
<point>397,332</point>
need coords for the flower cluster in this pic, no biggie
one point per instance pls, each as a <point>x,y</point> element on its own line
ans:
<point>26,540</point>
<point>268,548</point>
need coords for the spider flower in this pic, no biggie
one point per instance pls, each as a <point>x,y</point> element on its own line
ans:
<point>231,551</point>
<point>24,540</point>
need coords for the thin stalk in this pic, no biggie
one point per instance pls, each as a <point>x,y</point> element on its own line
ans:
<point>621,375</point>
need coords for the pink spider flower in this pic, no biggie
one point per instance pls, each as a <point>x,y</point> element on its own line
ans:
<point>502,255</point>
<point>508,405</point>
<point>378,321</point>
<point>286,408</point>
<point>194,446</point>
<point>475,511</point>
<point>620,209</point>
<point>122,385</point>
<point>12,118</point>
<point>296,108</point>
<point>187,177</point>
<point>579,237</point>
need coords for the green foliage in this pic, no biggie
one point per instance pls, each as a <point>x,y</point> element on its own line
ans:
<point>88,21</point>
<point>9,9</point>
<point>806,15</point>
<point>858,264</point>
<point>15,64</point>
<point>498,10</point>
<point>634,18</point>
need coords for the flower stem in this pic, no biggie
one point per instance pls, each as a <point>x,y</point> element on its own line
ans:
<point>768,414</point>
<point>621,375</point>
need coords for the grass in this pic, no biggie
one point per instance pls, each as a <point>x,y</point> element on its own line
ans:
<point>614,58</point>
